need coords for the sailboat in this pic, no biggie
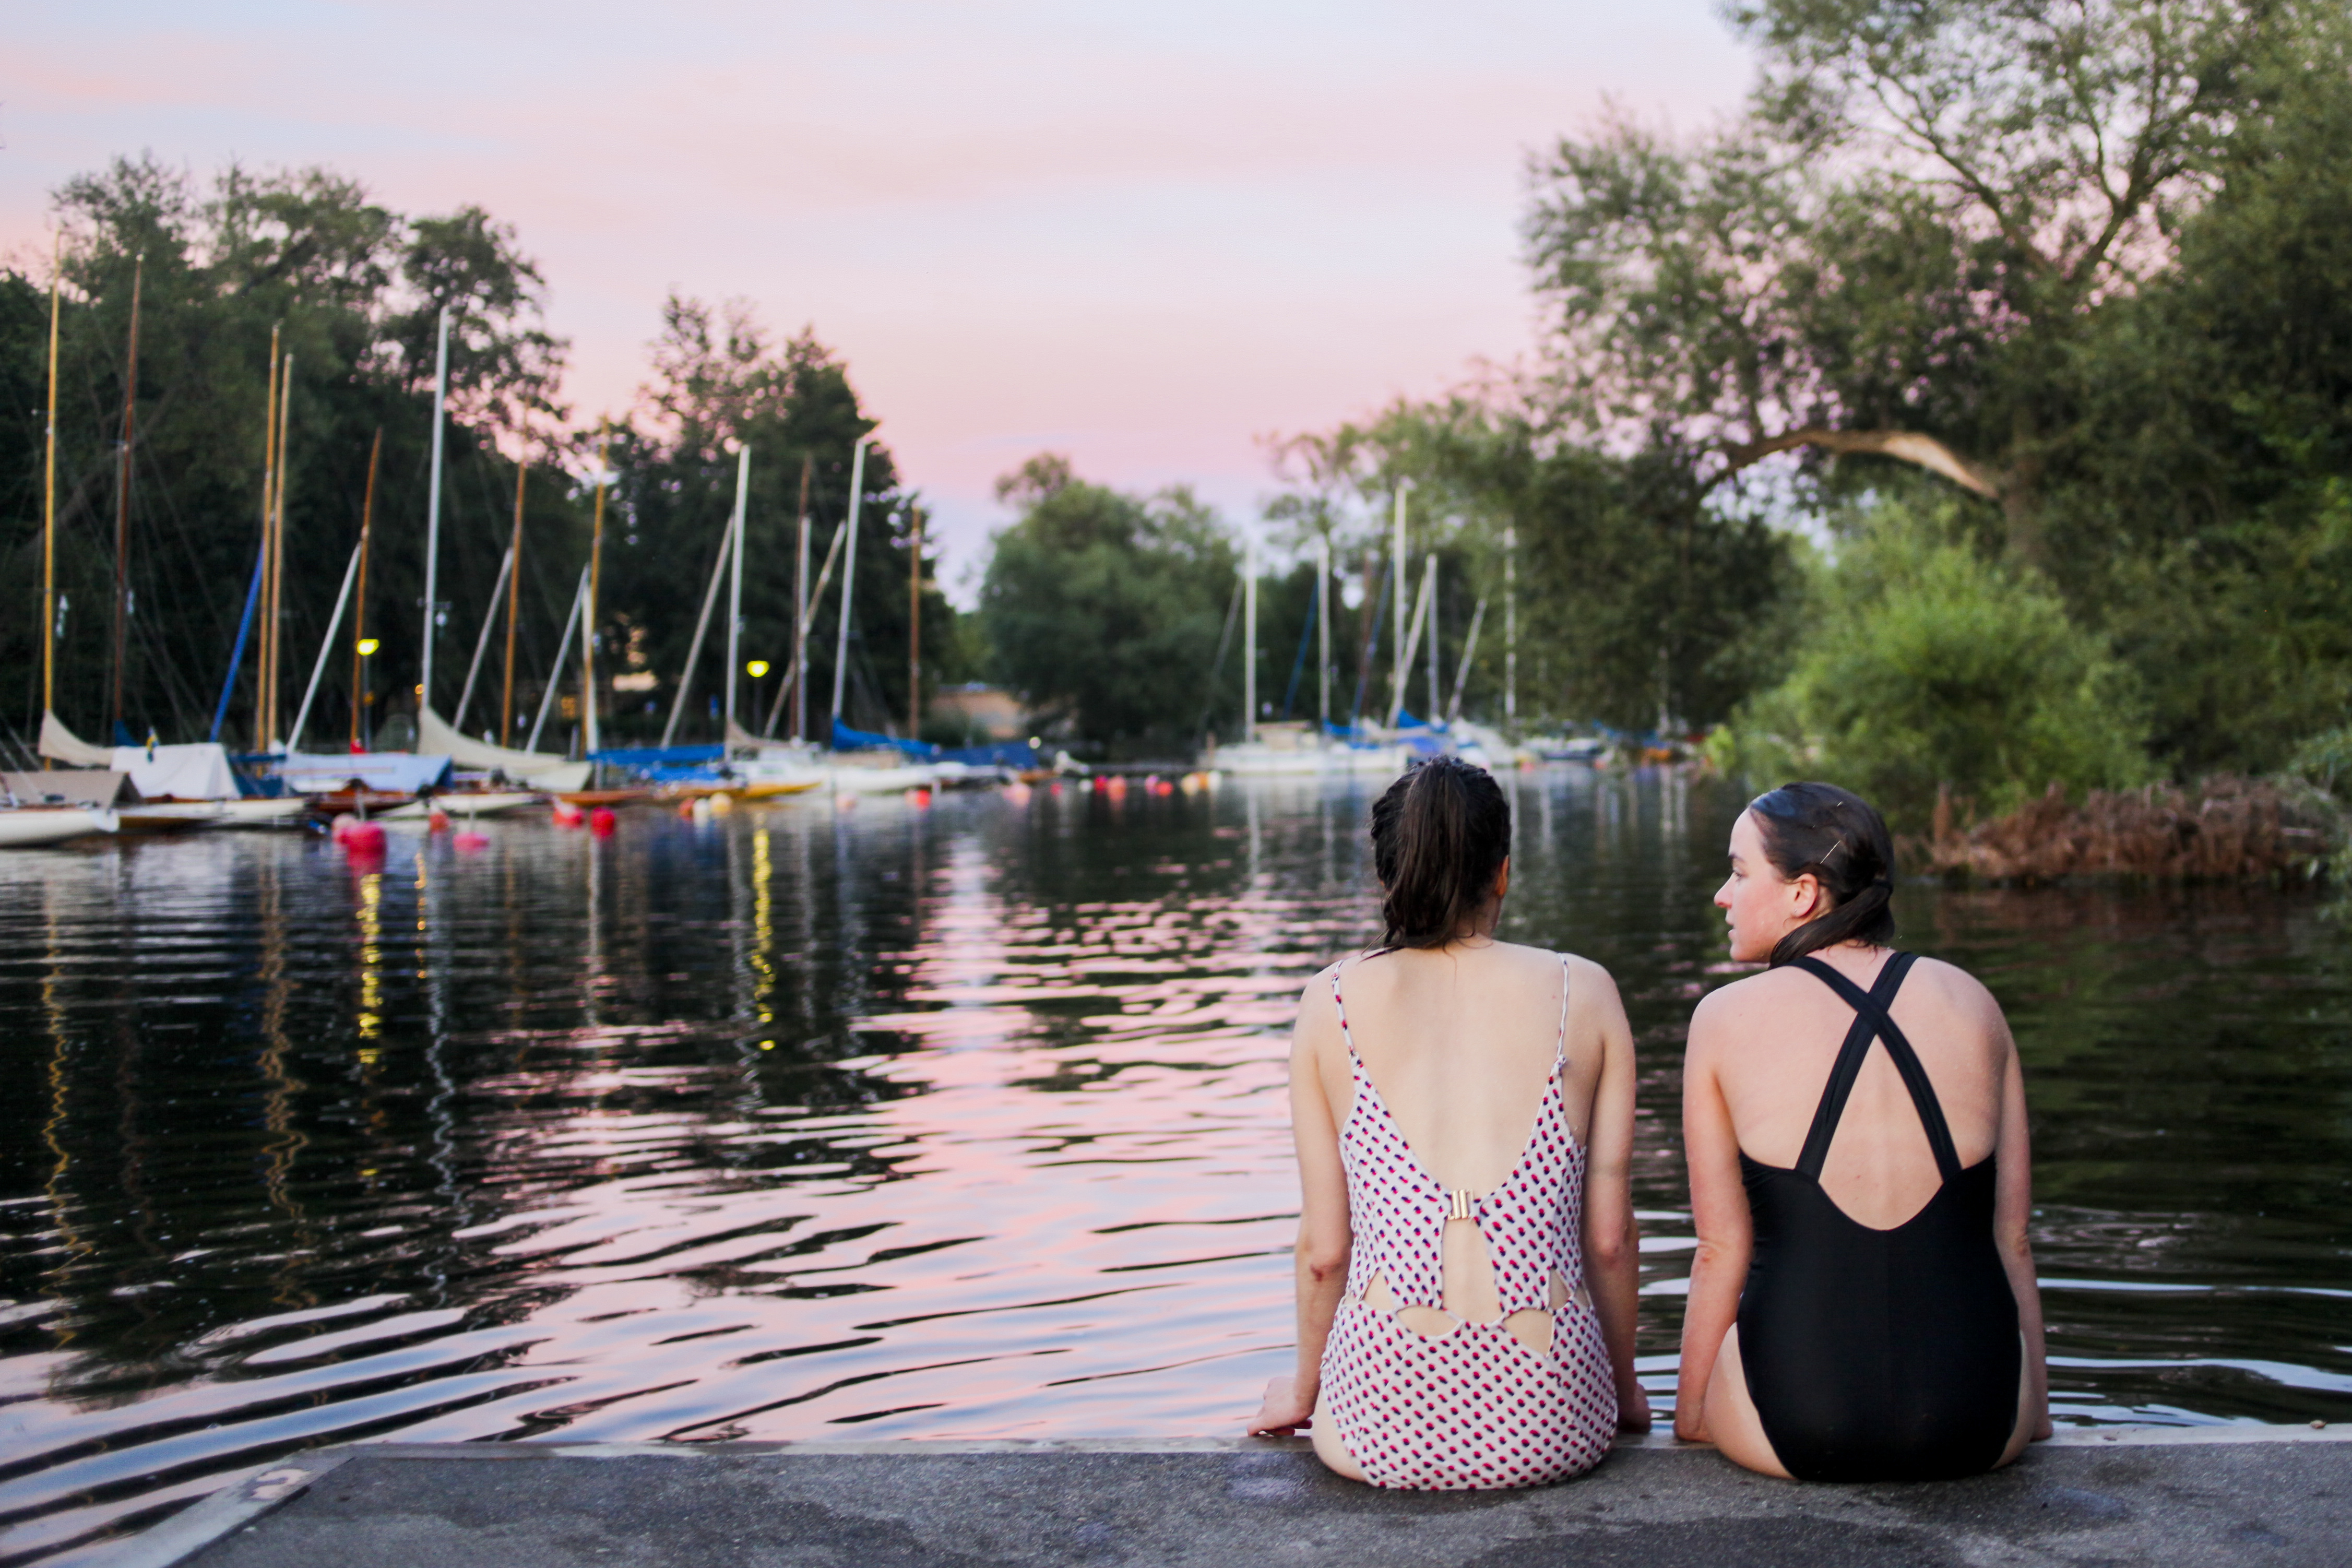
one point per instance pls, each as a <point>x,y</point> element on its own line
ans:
<point>537,770</point>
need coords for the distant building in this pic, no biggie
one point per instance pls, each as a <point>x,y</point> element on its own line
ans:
<point>990,709</point>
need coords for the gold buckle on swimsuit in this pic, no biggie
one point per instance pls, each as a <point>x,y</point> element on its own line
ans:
<point>1460,1200</point>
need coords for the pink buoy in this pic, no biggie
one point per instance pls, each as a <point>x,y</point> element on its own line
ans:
<point>343,824</point>
<point>601,822</point>
<point>363,838</point>
<point>470,842</point>
<point>439,822</point>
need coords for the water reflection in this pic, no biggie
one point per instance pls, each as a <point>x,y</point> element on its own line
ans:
<point>966,1120</point>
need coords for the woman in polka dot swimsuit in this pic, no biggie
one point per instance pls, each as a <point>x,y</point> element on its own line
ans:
<point>1466,1280</point>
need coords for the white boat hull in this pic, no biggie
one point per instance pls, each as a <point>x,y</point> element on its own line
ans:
<point>262,811</point>
<point>29,826</point>
<point>882,781</point>
<point>169,816</point>
<point>461,805</point>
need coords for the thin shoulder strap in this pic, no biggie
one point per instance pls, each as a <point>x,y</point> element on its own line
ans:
<point>1871,1021</point>
<point>1340,1005</point>
<point>1559,1051</point>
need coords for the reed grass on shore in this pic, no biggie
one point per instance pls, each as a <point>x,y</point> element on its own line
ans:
<point>2223,829</point>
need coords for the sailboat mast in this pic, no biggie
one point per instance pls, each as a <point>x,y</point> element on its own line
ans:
<point>1323,636</point>
<point>49,508</point>
<point>274,628</point>
<point>1249,642</point>
<point>596,581</point>
<point>514,608</point>
<point>1433,636</point>
<point>122,491</point>
<point>1396,681</point>
<point>800,611</point>
<point>848,570</point>
<point>359,610</point>
<point>1511,630</point>
<point>915,630</point>
<point>735,584</point>
<point>433,511</point>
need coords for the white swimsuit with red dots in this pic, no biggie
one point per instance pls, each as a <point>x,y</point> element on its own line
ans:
<point>1474,1408</point>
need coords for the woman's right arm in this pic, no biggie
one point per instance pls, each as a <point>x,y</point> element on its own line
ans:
<point>1324,1235</point>
<point>1718,1212</point>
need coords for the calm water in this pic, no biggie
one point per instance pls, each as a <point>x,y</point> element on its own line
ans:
<point>959,1121</point>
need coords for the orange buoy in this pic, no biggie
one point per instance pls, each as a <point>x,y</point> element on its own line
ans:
<point>568,815</point>
<point>439,822</point>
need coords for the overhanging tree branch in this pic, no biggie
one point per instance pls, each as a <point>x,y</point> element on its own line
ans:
<point>1904,445</point>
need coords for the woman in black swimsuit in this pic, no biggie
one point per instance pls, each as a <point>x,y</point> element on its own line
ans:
<point>1862,1306</point>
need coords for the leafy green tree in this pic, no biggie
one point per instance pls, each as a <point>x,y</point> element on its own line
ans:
<point>1104,610</point>
<point>308,253</point>
<point>1932,668</point>
<point>720,380</point>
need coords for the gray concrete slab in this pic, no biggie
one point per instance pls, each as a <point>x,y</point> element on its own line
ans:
<point>2197,1496</point>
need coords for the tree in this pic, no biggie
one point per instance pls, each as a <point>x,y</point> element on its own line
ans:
<point>1104,609</point>
<point>721,380</point>
<point>1891,253</point>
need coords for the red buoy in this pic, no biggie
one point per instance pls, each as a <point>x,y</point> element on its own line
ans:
<point>601,822</point>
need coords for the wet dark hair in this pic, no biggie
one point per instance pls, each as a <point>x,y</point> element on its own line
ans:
<point>1840,838</point>
<point>1440,835</point>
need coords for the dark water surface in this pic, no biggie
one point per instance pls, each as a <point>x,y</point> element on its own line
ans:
<point>959,1121</point>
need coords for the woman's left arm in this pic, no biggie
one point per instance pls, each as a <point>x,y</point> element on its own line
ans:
<point>1324,1235</point>
<point>2013,1221</point>
<point>1612,1245</point>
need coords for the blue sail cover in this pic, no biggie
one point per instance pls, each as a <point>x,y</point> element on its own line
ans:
<point>1004,754</point>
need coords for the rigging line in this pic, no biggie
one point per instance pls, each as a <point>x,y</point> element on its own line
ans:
<point>1299,664</point>
<point>1371,647</point>
<point>1224,640</point>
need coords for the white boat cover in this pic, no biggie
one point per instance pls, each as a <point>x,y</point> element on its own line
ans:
<point>391,773</point>
<point>195,772</point>
<point>80,786</point>
<point>543,770</point>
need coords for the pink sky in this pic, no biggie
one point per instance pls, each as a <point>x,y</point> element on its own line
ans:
<point>1146,235</point>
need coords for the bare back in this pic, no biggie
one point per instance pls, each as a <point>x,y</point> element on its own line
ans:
<point>1460,1041</point>
<point>1783,1029</point>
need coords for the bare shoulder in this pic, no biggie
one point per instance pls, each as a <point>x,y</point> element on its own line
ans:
<point>1320,985</point>
<point>1765,988</point>
<point>1962,994</point>
<point>1952,985</point>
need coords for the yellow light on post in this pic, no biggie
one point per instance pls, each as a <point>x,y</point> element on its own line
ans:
<point>367,646</point>
<point>757,669</point>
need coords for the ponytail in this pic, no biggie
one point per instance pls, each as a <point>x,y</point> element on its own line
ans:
<point>1841,841</point>
<point>1440,835</point>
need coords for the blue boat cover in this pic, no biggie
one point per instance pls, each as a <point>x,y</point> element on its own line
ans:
<point>1003,754</point>
<point>643,757</point>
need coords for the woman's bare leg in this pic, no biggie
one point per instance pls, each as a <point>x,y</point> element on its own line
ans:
<point>1329,1448</point>
<point>1731,1419</point>
<point>2022,1433</point>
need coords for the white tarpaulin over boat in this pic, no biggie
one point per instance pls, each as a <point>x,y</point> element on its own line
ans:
<point>388,773</point>
<point>197,771</point>
<point>542,770</point>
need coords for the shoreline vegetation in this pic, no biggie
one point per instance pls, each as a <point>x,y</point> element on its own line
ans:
<point>2224,829</point>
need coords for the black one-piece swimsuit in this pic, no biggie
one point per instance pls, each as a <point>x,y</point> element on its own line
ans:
<point>1878,1354</point>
